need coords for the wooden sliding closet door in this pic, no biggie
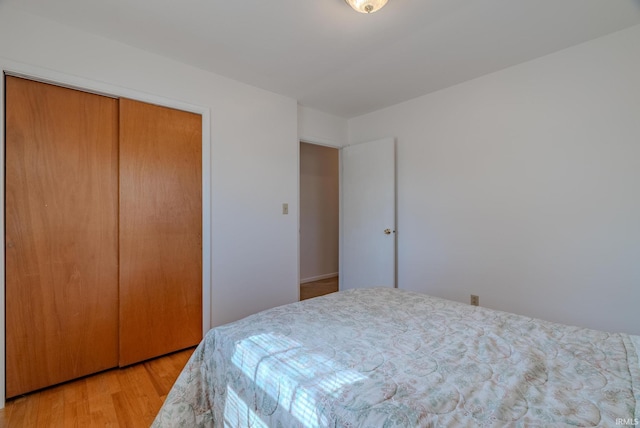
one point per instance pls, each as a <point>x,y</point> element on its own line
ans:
<point>61,234</point>
<point>160,230</point>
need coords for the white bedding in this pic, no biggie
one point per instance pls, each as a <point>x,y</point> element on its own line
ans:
<point>391,358</point>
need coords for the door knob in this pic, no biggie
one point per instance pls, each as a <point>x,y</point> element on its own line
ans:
<point>388,231</point>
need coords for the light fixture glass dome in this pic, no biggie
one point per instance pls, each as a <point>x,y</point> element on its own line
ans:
<point>366,6</point>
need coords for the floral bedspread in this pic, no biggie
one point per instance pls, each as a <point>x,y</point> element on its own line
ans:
<point>391,358</point>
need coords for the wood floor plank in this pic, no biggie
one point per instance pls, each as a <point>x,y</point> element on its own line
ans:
<point>310,290</point>
<point>54,401</point>
<point>100,389</point>
<point>144,394</point>
<point>156,375</point>
<point>136,398</point>
<point>129,397</point>
<point>162,372</point>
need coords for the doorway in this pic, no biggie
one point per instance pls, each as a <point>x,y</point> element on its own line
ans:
<point>319,219</point>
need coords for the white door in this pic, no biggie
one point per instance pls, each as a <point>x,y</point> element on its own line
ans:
<point>368,251</point>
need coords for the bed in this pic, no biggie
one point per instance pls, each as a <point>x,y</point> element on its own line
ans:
<point>385,357</point>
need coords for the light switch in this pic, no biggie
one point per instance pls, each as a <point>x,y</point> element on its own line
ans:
<point>285,209</point>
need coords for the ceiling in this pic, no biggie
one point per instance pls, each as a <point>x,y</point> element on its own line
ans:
<point>336,60</point>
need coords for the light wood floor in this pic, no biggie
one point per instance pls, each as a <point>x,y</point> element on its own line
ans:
<point>318,288</point>
<point>129,397</point>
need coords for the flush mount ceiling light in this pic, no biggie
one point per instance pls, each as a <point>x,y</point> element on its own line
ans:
<point>366,6</point>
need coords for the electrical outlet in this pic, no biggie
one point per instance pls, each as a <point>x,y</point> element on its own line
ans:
<point>475,300</point>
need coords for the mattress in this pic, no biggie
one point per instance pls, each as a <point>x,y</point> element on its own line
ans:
<point>385,357</point>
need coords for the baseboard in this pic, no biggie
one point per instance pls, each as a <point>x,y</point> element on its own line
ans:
<point>318,278</point>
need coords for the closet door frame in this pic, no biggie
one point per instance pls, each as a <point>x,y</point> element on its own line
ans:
<point>73,82</point>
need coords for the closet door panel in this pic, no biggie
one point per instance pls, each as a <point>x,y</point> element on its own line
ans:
<point>160,230</point>
<point>61,234</point>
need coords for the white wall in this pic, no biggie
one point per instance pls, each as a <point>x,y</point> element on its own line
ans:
<point>254,148</point>
<point>523,186</point>
<point>319,209</point>
<point>318,127</point>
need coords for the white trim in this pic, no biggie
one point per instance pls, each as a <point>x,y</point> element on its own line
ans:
<point>340,219</point>
<point>298,219</point>
<point>321,142</point>
<point>87,85</point>
<point>318,278</point>
<point>56,83</point>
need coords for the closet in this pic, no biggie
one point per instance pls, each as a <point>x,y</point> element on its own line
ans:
<point>103,222</point>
